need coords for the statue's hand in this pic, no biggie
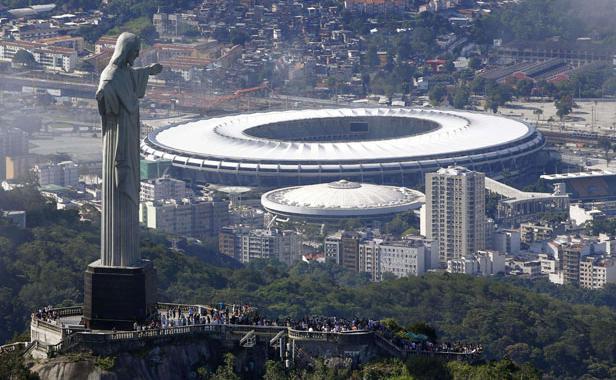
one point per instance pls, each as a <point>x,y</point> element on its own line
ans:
<point>155,68</point>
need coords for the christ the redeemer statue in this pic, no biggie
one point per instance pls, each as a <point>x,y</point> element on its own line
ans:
<point>121,85</point>
<point>120,288</point>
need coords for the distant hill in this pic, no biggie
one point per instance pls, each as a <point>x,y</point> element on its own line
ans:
<point>541,19</point>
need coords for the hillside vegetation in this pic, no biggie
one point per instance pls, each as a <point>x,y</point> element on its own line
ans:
<point>44,265</point>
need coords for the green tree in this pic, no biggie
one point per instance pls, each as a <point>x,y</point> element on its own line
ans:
<point>607,226</point>
<point>502,369</point>
<point>478,86</point>
<point>425,329</point>
<point>422,40</point>
<point>538,112</point>
<point>24,58</point>
<point>524,88</point>
<point>609,86</point>
<point>386,369</point>
<point>519,353</point>
<point>226,371</point>
<point>274,371</point>
<point>221,34</point>
<point>564,106</point>
<point>606,145</point>
<point>351,224</point>
<point>372,58</point>
<point>239,37</point>
<point>427,368</point>
<point>461,97</point>
<point>12,367</point>
<point>474,63</point>
<point>396,226</point>
<point>497,95</point>
<point>436,94</point>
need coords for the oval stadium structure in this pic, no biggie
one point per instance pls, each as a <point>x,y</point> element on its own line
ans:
<point>377,145</point>
<point>340,200</point>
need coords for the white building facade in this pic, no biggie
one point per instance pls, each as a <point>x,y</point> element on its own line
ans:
<point>162,188</point>
<point>595,273</point>
<point>285,246</point>
<point>64,173</point>
<point>198,218</point>
<point>50,57</point>
<point>455,212</point>
<point>399,258</point>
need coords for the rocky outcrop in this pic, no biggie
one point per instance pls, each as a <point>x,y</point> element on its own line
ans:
<point>159,362</point>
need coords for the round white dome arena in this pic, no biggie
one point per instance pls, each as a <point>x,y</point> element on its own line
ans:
<point>341,199</point>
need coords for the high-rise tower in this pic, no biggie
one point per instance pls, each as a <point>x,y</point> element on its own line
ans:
<point>455,211</point>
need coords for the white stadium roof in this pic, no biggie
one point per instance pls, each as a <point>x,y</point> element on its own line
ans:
<point>376,145</point>
<point>227,137</point>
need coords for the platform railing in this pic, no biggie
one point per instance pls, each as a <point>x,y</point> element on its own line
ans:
<point>12,347</point>
<point>69,311</point>
<point>74,337</point>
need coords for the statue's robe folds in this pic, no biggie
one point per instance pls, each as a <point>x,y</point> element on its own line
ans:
<point>118,101</point>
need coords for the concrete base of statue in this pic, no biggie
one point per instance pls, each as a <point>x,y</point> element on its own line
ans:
<point>117,297</point>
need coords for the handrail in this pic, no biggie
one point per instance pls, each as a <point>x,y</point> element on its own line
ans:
<point>49,325</point>
<point>309,335</point>
<point>249,335</point>
<point>185,307</point>
<point>74,336</point>
<point>217,329</point>
<point>456,353</point>
<point>389,346</point>
<point>69,311</point>
<point>78,310</point>
<point>257,328</point>
<point>12,347</point>
<point>221,331</point>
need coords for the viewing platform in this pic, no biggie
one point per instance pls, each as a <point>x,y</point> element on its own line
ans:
<point>57,331</point>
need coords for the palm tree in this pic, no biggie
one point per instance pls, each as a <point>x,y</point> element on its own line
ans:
<point>607,145</point>
<point>538,112</point>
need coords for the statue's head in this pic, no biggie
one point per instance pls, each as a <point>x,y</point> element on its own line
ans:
<point>126,49</point>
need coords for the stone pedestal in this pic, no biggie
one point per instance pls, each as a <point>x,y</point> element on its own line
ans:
<point>116,297</point>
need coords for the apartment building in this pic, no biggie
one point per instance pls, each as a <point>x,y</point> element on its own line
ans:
<point>455,212</point>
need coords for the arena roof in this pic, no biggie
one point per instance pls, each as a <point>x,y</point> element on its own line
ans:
<point>341,199</point>
<point>371,145</point>
<point>226,136</point>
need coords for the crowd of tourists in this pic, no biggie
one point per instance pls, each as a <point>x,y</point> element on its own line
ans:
<point>331,324</point>
<point>178,315</point>
<point>170,316</point>
<point>427,346</point>
<point>47,314</point>
<point>247,315</point>
<point>181,315</point>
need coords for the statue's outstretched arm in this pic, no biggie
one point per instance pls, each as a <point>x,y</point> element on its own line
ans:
<point>141,75</point>
<point>155,68</point>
